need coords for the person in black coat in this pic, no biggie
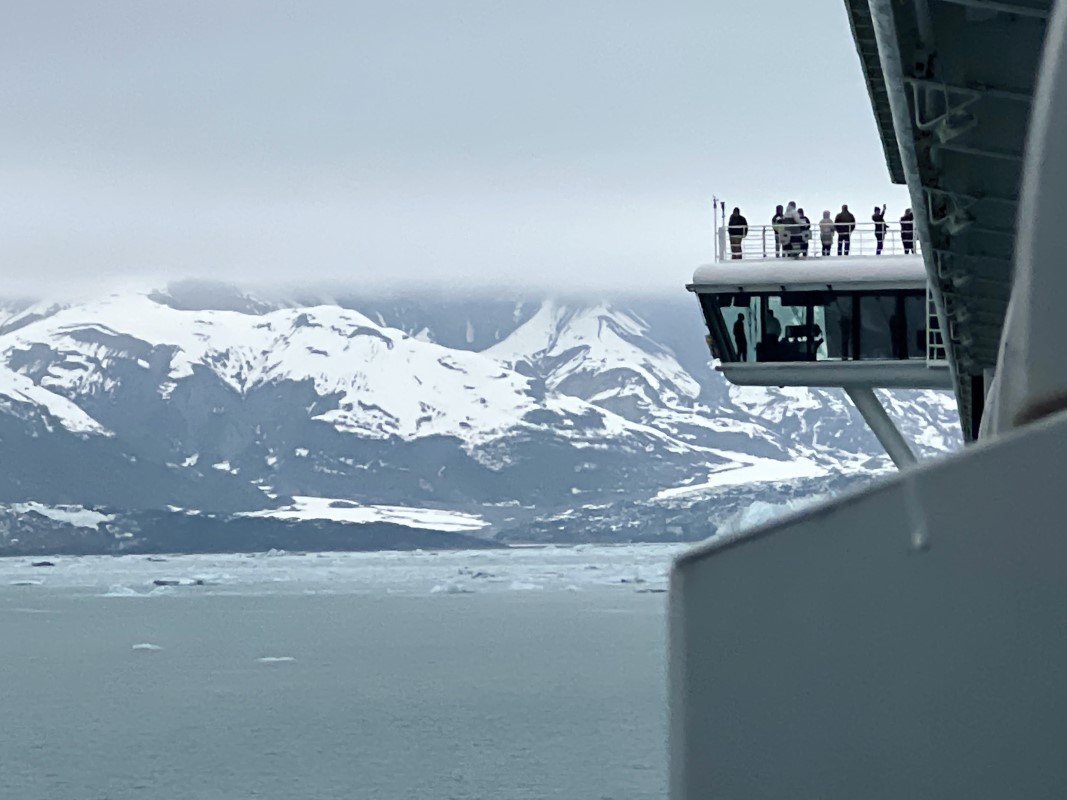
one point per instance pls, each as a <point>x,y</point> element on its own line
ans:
<point>805,231</point>
<point>907,231</point>
<point>737,228</point>
<point>741,338</point>
<point>778,226</point>
<point>845,223</point>
<point>880,227</point>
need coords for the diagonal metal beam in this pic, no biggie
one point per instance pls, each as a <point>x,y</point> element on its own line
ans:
<point>997,92</point>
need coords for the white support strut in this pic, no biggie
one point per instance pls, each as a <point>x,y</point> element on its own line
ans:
<point>868,404</point>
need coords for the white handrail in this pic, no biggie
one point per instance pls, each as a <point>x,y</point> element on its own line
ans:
<point>760,242</point>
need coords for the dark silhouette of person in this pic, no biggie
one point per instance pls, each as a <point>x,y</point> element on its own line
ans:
<point>741,338</point>
<point>805,231</point>
<point>772,332</point>
<point>845,223</point>
<point>907,231</point>
<point>737,227</point>
<point>778,226</point>
<point>880,227</point>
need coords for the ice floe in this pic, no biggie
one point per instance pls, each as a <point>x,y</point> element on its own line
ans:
<point>619,568</point>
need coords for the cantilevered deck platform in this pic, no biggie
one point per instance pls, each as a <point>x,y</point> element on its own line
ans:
<point>858,321</point>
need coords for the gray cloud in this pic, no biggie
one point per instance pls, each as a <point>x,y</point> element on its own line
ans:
<point>444,142</point>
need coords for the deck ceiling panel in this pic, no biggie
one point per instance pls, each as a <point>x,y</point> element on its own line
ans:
<point>957,77</point>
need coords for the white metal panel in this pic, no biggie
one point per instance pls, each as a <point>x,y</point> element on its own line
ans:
<point>877,374</point>
<point>909,641</point>
<point>844,273</point>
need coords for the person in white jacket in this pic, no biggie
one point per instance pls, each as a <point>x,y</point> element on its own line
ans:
<point>794,240</point>
<point>826,232</point>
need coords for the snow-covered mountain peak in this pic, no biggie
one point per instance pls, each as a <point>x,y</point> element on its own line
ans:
<point>600,352</point>
<point>385,382</point>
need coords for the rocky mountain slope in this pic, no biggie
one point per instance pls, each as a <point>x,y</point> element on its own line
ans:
<point>538,418</point>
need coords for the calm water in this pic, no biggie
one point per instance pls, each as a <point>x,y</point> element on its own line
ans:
<point>506,675</point>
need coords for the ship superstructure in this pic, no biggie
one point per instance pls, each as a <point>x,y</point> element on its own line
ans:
<point>908,640</point>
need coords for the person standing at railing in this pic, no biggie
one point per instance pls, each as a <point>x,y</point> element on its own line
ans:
<point>777,226</point>
<point>794,236</point>
<point>826,232</point>
<point>738,230</point>
<point>907,231</point>
<point>880,227</point>
<point>805,231</point>
<point>845,222</point>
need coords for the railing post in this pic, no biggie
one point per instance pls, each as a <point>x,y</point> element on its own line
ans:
<point>763,237</point>
<point>715,227</point>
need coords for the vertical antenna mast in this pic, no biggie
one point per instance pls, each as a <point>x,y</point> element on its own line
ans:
<point>714,227</point>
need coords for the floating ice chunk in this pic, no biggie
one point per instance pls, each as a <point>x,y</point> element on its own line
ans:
<point>523,586</point>
<point>196,581</point>
<point>118,590</point>
<point>451,588</point>
<point>147,647</point>
<point>275,659</point>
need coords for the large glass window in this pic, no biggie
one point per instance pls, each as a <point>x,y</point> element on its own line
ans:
<point>733,321</point>
<point>742,324</point>
<point>893,326</point>
<point>789,330</point>
<point>817,325</point>
<point>835,316</point>
<point>915,316</point>
<point>879,322</point>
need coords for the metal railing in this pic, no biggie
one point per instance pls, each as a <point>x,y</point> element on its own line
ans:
<point>761,242</point>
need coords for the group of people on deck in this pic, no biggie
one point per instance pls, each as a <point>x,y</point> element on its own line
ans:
<point>793,231</point>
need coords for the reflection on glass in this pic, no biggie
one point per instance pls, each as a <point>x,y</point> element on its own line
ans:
<point>915,333</point>
<point>836,317</point>
<point>878,322</point>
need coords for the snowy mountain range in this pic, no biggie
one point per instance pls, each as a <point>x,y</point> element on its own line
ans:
<point>470,415</point>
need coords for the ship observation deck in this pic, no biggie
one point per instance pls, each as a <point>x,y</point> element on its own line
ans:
<point>850,321</point>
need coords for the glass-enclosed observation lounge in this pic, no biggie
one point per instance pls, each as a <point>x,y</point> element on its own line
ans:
<point>838,321</point>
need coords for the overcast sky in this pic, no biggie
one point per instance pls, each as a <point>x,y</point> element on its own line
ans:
<point>556,142</point>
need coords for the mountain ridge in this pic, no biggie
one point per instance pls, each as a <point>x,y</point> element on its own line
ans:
<point>206,397</point>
